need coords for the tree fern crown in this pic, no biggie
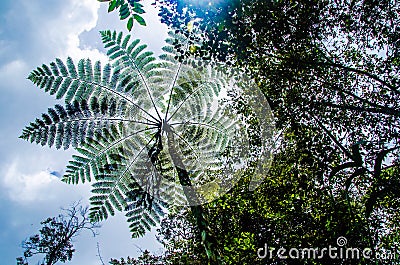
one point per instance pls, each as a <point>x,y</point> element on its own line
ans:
<point>137,119</point>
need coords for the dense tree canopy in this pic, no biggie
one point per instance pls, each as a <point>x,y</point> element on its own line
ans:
<point>328,65</point>
<point>330,70</point>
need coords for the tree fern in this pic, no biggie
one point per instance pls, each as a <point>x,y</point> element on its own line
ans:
<point>150,133</point>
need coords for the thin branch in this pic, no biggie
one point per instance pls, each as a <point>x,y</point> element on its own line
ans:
<point>362,72</point>
<point>385,111</point>
<point>333,138</point>
<point>363,100</point>
<point>98,254</point>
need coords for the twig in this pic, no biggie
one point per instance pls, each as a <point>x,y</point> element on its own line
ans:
<point>98,254</point>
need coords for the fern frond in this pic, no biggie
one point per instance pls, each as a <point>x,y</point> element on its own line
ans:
<point>83,82</point>
<point>117,173</point>
<point>143,212</point>
<point>71,125</point>
<point>96,152</point>
<point>130,57</point>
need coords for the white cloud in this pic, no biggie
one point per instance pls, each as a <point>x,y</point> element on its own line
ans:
<point>41,30</point>
<point>82,9</point>
<point>28,183</point>
<point>10,73</point>
<point>39,186</point>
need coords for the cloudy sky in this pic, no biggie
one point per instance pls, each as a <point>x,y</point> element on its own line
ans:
<point>32,33</point>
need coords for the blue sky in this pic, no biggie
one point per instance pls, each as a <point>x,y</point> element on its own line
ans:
<point>32,33</point>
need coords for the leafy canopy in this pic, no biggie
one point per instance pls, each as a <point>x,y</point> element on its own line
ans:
<point>131,9</point>
<point>55,238</point>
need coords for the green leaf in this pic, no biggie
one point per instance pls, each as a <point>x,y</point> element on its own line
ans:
<point>112,6</point>
<point>124,12</point>
<point>130,24</point>
<point>139,19</point>
<point>137,8</point>
<point>137,4</point>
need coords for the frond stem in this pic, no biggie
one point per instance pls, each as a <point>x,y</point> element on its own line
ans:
<point>199,123</point>
<point>122,140</point>
<point>172,89</point>
<point>180,105</point>
<point>143,80</point>
<point>174,82</point>
<point>116,93</point>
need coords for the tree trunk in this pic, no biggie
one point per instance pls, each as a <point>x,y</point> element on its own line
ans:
<point>207,239</point>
